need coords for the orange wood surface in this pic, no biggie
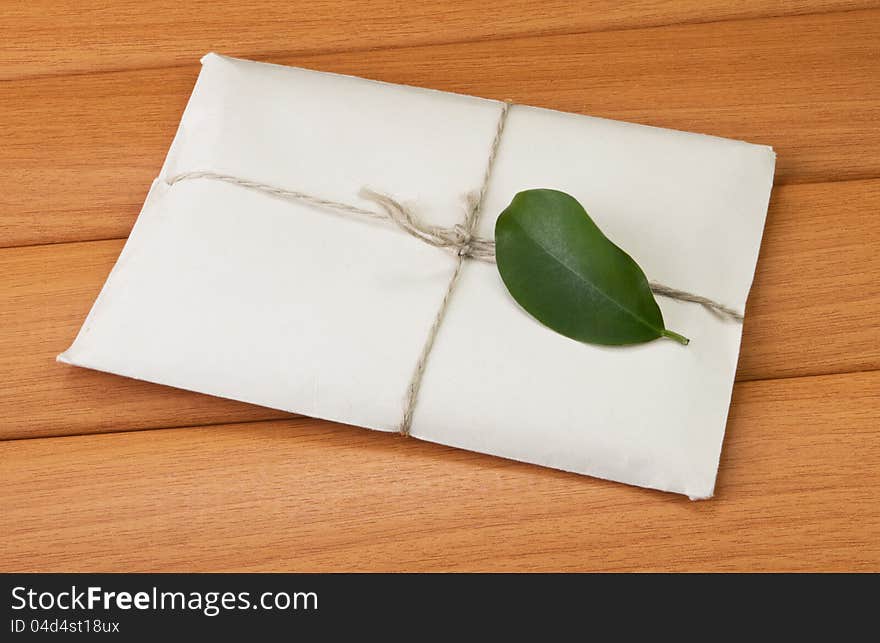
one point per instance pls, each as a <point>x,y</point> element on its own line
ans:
<point>99,139</point>
<point>798,489</point>
<point>41,37</point>
<point>106,473</point>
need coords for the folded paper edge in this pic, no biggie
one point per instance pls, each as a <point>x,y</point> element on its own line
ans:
<point>214,56</point>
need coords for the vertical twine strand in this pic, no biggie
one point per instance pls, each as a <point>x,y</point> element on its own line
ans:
<point>475,203</point>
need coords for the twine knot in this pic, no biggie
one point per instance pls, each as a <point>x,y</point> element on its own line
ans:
<point>459,238</point>
<point>462,239</point>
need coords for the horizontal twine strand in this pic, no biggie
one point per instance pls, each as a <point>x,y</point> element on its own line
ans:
<point>455,238</point>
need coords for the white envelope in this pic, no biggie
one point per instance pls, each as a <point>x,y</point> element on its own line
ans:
<point>234,293</point>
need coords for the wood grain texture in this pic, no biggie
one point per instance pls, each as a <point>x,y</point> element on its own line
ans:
<point>81,151</point>
<point>41,37</point>
<point>798,490</point>
<point>813,310</point>
<point>92,95</point>
<point>815,302</point>
<point>45,294</point>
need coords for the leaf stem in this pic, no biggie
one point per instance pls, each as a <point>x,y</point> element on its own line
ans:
<point>679,338</point>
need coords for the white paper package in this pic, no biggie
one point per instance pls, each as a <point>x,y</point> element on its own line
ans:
<point>231,292</point>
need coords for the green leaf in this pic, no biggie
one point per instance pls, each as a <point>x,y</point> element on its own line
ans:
<point>563,271</point>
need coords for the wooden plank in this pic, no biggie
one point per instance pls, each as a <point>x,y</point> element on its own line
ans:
<point>44,37</point>
<point>45,294</point>
<point>79,152</point>
<point>815,302</point>
<point>798,489</point>
<point>813,310</point>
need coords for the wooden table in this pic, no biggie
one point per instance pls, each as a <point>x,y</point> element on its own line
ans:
<point>101,473</point>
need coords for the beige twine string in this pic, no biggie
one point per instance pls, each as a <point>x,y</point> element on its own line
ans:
<point>459,238</point>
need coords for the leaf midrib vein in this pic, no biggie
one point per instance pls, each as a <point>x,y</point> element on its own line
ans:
<point>589,284</point>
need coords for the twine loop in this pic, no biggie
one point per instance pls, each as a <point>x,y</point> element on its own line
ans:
<point>459,238</point>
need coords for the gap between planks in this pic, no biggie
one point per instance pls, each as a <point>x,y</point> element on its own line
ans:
<point>121,237</point>
<point>797,489</point>
<point>293,420</point>
<point>99,140</point>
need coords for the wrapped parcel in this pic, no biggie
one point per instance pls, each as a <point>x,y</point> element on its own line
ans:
<point>231,292</point>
